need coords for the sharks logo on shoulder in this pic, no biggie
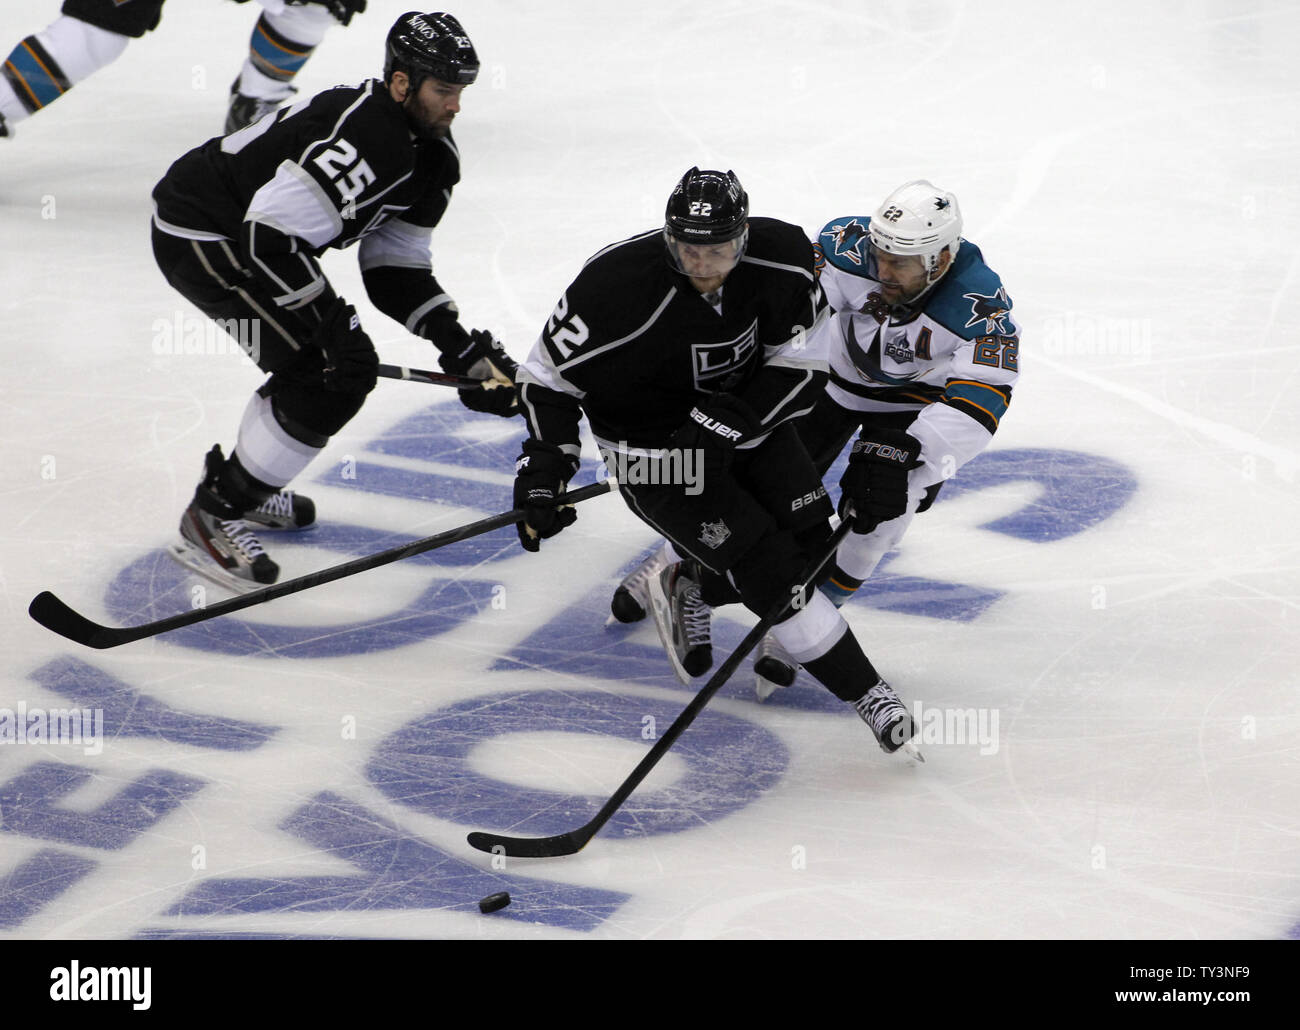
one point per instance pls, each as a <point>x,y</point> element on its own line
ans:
<point>846,239</point>
<point>991,310</point>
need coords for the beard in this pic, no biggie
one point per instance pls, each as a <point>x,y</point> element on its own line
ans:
<point>421,123</point>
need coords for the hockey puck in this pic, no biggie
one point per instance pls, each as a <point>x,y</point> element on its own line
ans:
<point>493,902</point>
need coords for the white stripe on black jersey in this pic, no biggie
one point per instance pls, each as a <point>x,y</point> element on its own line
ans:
<point>321,174</point>
<point>639,346</point>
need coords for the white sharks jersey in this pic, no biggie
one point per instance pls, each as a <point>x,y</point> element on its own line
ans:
<point>953,357</point>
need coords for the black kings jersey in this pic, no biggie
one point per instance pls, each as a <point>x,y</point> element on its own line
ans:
<point>634,345</point>
<point>327,172</point>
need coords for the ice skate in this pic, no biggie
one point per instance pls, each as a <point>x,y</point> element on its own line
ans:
<point>683,620</point>
<point>284,510</point>
<point>226,551</point>
<point>881,709</point>
<point>245,110</point>
<point>215,540</point>
<point>632,598</point>
<point>773,668</point>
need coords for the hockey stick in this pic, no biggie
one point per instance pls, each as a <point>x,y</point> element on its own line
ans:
<point>54,615</point>
<point>422,375</point>
<point>573,841</point>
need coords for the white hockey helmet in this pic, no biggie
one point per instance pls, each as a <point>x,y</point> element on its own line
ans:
<point>918,219</point>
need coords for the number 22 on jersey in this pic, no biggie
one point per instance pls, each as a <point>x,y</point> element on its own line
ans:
<point>566,332</point>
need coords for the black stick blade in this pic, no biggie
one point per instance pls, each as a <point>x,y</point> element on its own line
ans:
<point>530,847</point>
<point>57,617</point>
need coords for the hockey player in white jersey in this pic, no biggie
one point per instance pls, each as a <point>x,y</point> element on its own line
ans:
<point>926,356</point>
<point>90,34</point>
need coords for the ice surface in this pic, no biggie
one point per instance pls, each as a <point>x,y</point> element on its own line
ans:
<point>1100,617</point>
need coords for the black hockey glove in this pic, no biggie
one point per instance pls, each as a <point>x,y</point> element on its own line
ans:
<point>351,364</point>
<point>715,427</point>
<point>482,357</point>
<point>875,483</point>
<point>343,10</point>
<point>540,475</point>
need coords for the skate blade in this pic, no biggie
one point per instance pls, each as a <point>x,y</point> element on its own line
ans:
<point>659,608</point>
<point>913,751</point>
<point>765,688</point>
<point>197,561</point>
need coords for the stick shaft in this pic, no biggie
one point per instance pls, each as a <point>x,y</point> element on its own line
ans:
<point>424,375</point>
<point>55,615</point>
<point>575,840</point>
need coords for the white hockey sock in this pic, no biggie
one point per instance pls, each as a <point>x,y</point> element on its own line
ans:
<point>860,553</point>
<point>306,24</point>
<point>298,31</point>
<point>813,630</point>
<point>266,450</point>
<point>73,48</point>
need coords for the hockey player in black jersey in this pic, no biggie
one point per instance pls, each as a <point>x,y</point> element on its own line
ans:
<point>691,349</point>
<point>238,225</point>
<point>90,34</point>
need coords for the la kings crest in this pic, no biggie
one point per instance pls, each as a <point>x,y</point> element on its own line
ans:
<point>711,363</point>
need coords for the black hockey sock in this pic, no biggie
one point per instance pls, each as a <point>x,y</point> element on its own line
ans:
<point>228,489</point>
<point>844,670</point>
<point>242,487</point>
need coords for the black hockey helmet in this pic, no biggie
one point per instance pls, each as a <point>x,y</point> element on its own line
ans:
<point>430,45</point>
<point>707,207</point>
<point>706,210</point>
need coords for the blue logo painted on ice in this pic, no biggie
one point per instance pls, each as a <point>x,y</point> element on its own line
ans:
<point>428,766</point>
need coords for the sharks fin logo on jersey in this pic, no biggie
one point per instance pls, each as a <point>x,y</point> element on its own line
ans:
<point>846,239</point>
<point>991,310</point>
<point>866,360</point>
